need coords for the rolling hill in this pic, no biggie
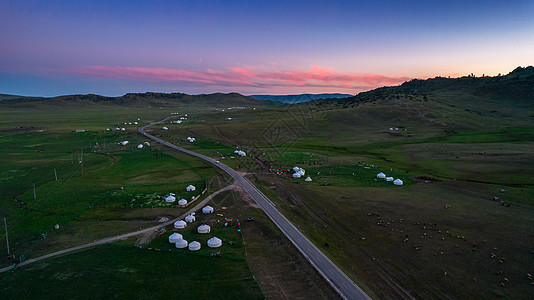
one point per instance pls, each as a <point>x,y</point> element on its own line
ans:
<point>300,98</point>
<point>137,100</point>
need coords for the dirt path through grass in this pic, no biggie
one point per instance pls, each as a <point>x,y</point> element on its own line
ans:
<point>118,237</point>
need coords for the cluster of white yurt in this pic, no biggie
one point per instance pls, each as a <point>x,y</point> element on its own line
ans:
<point>180,224</point>
<point>389,179</point>
<point>204,228</point>
<point>194,246</point>
<point>240,152</point>
<point>299,172</point>
<point>182,202</point>
<point>190,188</point>
<point>190,219</point>
<point>175,237</point>
<point>207,209</point>
<point>190,139</point>
<point>180,244</point>
<point>170,199</point>
<point>214,242</point>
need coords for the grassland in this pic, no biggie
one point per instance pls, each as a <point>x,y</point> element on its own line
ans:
<point>92,199</point>
<point>442,234</point>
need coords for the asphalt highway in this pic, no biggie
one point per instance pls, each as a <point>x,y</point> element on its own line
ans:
<point>343,285</point>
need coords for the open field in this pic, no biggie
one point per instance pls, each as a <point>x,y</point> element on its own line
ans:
<point>97,203</point>
<point>439,235</point>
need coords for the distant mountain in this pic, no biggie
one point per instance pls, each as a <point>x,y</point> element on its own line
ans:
<point>7,96</point>
<point>137,100</point>
<point>301,97</point>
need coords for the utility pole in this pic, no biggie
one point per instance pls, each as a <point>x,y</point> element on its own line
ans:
<point>55,173</point>
<point>81,160</point>
<point>7,239</point>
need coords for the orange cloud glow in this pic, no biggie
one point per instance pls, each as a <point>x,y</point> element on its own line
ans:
<point>248,76</point>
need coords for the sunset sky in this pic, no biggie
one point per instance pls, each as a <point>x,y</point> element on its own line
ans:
<point>111,48</point>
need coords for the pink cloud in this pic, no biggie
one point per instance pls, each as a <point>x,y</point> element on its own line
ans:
<point>247,76</point>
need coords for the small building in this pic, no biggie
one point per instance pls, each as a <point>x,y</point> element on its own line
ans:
<point>180,244</point>
<point>175,237</point>
<point>398,182</point>
<point>170,199</point>
<point>190,219</point>
<point>182,202</point>
<point>204,228</point>
<point>214,242</point>
<point>381,175</point>
<point>180,224</point>
<point>207,210</point>
<point>194,246</point>
<point>190,188</point>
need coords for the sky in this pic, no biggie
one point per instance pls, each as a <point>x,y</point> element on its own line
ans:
<point>50,48</point>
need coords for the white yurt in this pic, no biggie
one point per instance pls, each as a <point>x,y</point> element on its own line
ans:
<point>381,175</point>
<point>190,219</point>
<point>147,143</point>
<point>296,169</point>
<point>190,188</point>
<point>165,128</point>
<point>389,178</point>
<point>170,199</point>
<point>182,202</point>
<point>175,237</point>
<point>123,129</point>
<point>296,175</point>
<point>204,228</point>
<point>398,182</point>
<point>140,146</point>
<point>214,242</point>
<point>308,179</point>
<point>194,246</point>
<point>124,143</point>
<point>207,209</point>
<point>180,244</point>
<point>180,224</point>
<point>135,123</point>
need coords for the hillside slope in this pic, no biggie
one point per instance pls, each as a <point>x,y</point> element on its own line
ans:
<point>137,100</point>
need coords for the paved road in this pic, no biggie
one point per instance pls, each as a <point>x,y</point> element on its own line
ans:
<point>345,287</point>
<point>198,206</point>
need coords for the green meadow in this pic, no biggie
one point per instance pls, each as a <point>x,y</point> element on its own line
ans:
<point>459,226</point>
